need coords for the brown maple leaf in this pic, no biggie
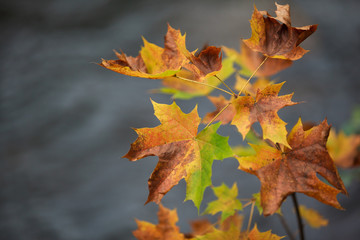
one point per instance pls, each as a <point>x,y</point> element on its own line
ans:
<point>275,37</point>
<point>208,63</point>
<point>165,229</point>
<point>153,61</point>
<point>282,173</point>
<point>195,87</point>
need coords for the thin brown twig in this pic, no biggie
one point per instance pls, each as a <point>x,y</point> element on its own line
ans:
<point>286,227</point>
<point>247,204</point>
<point>251,216</point>
<point>298,217</point>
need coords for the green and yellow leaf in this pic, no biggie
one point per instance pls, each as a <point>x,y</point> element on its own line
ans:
<point>182,152</point>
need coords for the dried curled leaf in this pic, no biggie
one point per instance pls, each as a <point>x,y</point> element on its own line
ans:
<point>275,37</point>
<point>153,61</point>
<point>312,217</point>
<point>207,64</point>
<point>227,203</point>
<point>165,229</point>
<point>345,150</point>
<point>182,152</point>
<point>182,89</point>
<point>282,173</point>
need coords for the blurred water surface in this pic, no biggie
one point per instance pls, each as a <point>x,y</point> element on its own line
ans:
<point>66,122</point>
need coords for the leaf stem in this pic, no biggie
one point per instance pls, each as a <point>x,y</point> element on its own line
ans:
<point>218,114</point>
<point>253,75</point>
<point>298,217</point>
<point>225,85</point>
<point>247,204</point>
<point>251,216</point>
<point>205,84</point>
<point>286,227</point>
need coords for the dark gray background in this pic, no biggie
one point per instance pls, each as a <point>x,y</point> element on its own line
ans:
<point>66,122</point>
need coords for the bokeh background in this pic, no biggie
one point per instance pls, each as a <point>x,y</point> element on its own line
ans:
<point>66,122</point>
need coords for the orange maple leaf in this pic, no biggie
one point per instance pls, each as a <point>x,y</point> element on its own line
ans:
<point>182,152</point>
<point>282,173</point>
<point>165,229</point>
<point>153,61</point>
<point>246,110</point>
<point>275,37</point>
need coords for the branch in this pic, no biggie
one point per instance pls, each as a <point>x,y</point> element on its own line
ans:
<point>299,219</point>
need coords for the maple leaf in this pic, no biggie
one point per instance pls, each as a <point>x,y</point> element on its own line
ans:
<point>312,217</point>
<point>275,37</point>
<point>153,61</point>
<point>208,63</point>
<point>249,60</point>
<point>246,110</point>
<point>264,110</point>
<point>182,152</point>
<point>345,150</point>
<point>181,89</point>
<point>220,102</point>
<point>227,203</point>
<point>165,229</point>
<point>254,234</point>
<point>282,173</point>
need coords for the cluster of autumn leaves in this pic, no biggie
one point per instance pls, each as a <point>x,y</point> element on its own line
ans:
<point>284,162</point>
